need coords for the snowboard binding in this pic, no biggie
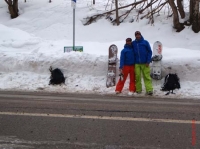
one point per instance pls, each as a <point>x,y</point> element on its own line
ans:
<point>156,58</point>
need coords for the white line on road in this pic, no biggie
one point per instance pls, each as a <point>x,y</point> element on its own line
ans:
<point>101,117</point>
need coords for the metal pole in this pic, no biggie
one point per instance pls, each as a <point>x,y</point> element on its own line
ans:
<point>73,28</point>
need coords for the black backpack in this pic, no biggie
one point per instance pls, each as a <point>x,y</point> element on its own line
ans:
<point>56,77</point>
<point>171,83</point>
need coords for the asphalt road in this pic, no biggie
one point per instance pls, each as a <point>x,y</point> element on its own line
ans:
<point>82,121</point>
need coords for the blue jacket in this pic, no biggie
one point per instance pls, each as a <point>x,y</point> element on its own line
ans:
<point>127,56</point>
<point>142,51</point>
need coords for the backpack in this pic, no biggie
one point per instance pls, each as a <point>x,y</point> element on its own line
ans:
<point>56,77</point>
<point>171,83</point>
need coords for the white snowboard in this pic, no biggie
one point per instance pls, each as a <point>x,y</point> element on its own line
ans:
<point>156,71</point>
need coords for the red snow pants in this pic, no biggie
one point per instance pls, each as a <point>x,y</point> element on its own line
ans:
<point>127,70</point>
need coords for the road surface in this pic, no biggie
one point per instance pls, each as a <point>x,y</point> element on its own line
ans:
<point>83,121</point>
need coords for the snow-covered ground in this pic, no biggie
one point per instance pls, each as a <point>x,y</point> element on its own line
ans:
<point>34,41</point>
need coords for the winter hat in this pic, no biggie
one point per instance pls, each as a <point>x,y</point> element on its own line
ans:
<point>128,39</point>
<point>137,33</point>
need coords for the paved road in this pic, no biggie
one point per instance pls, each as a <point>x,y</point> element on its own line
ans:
<point>82,121</point>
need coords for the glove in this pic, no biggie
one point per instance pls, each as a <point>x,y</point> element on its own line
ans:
<point>120,70</point>
<point>121,74</point>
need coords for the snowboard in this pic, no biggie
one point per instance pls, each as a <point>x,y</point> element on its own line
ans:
<point>156,71</point>
<point>112,66</point>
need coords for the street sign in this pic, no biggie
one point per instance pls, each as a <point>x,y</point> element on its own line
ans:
<point>76,48</point>
<point>73,4</point>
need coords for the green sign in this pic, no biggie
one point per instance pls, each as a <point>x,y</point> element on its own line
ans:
<point>76,48</point>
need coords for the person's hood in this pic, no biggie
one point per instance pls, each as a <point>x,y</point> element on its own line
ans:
<point>141,39</point>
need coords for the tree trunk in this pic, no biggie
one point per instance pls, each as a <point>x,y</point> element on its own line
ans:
<point>117,15</point>
<point>177,25</point>
<point>13,8</point>
<point>196,16</point>
<point>191,11</point>
<point>93,2</point>
<point>180,8</point>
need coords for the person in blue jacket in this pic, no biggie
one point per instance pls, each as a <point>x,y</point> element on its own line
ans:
<point>127,62</point>
<point>143,54</point>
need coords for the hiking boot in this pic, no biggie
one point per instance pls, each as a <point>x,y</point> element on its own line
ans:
<point>149,93</point>
<point>138,93</point>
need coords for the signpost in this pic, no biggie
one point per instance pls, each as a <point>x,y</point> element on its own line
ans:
<point>73,48</point>
<point>74,6</point>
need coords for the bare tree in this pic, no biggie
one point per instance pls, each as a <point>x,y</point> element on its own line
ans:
<point>143,5</point>
<point>180,8</point>
<point>123,16</point>
<point>117,15</point>
<point>13,8</point>
<point>195,15</point>
<point>177,25</point>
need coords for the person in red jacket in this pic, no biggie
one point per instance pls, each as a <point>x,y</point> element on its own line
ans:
<point>127,61</point>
